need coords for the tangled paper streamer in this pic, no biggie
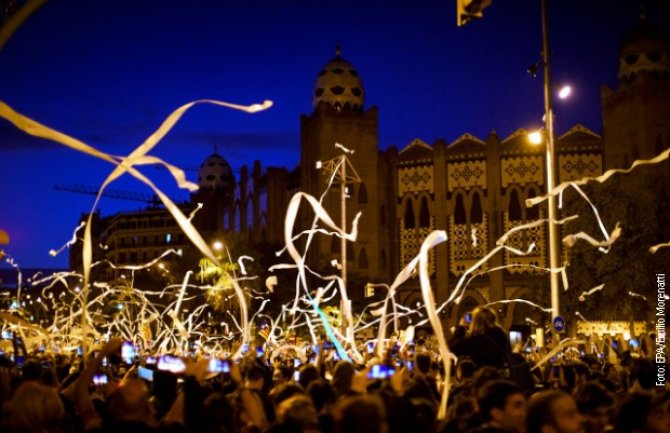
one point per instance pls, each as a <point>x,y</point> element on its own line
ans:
<point>122,165</point>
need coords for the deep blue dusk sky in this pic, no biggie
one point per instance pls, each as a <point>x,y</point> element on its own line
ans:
<point>108,72</point>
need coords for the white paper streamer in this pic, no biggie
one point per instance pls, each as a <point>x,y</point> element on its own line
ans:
<point>658,247</point>
<point>68,244</point>
<point>583,296</point>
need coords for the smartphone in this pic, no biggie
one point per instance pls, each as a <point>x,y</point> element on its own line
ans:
<point>19,350</point>
<point>219,365</point>
<point>633,343</point>
<point>145,373</point>
<point>296,376</point>
<point>151,360</point>
<point>171,363</point>
<point>468,318</point>
<point>80,351</point>
<point>381,371</point>
<point>7,335</point>
<point>615,345</point>
<point>410,365</point>
<point>100,379</point>
<point>371,346</point>
<point>296,363</point>
<point>259,351</point>
<point>336,357</point>
<point>515,337</point>
<point>128,352</point>
<point>328,345</point>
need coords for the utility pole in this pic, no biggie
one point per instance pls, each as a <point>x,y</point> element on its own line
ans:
<point>550,155</point>
<point>338,166</point>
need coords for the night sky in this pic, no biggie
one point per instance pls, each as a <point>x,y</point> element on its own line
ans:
<point>108,72</point>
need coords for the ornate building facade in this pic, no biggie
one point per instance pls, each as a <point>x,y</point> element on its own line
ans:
<point>473,188</point>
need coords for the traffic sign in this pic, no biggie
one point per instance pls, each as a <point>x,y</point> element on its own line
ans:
<point>558,323</point>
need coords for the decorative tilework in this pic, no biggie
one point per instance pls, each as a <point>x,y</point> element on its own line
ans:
<point>415,179</point>
<point>466,175</point>
<point>410,244</point>
<point>522,170</point>
<point>521,240</point>
<point>463,252</point>
<point>576,166</point>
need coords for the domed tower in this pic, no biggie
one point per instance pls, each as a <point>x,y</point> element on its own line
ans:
<point>339,116</point>
<point>216,193</point>
<point>636,113</point>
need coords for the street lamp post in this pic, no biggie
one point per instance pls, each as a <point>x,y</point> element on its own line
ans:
<point>550,156</point>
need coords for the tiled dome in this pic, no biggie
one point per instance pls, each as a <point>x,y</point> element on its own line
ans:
<point>644,49</point>
<point>215,173</point>
<point>339,85</point>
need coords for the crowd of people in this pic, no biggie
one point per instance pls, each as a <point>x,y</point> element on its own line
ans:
<point>277,390</point>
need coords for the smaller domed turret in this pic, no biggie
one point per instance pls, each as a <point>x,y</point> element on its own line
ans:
<point>215,173</point>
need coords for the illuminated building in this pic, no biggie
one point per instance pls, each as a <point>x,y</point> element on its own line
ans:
<point>473,188</point>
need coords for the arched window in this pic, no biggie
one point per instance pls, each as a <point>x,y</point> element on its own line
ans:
<point>409,215</point>
<point>363,259</point>
<point>459,210</point>
<point>382,260</point>
<point>362,194</point>
<point>476,213</point>
<point>350,252</point>
<point>514,209</point>
<point>335,245</point>
<point>533,212</point>
<point>424,214</point>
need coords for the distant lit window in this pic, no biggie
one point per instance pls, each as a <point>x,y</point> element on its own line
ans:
<point>168,238</point>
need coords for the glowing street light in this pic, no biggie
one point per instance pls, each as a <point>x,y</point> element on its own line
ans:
<point>564,92</point>
<point>217,245</point>
<point>535,137</point>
